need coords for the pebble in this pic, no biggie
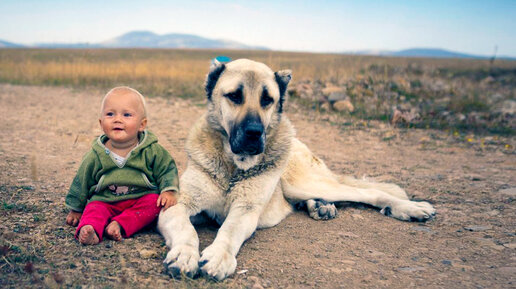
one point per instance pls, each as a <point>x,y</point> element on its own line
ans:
<point>478,228</point>
<point>337,96</point>
<point>465,268</point>
<point>50,282</point>
<point>493,213</point>
<point>339,270</point>
<point>422,229</point>
<point>373,253</point>
<point>474,177</point>
<point>411,269</point>
<point>335,90</point>
<point>256,282</point>
<point>510,192</point>
<point>343,105</point>
<point>490,244</point>
<point>347,235</point>
<point>510,245</point>
<point>146,254</point>
<point>508,270</point>
<point>326,106</point>
<point>357,216</point>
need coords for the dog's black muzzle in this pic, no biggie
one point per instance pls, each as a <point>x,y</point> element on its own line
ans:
<point>248,137</point>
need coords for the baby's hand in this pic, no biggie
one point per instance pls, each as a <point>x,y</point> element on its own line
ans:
<point>73,218</point>
<point>166,200</point>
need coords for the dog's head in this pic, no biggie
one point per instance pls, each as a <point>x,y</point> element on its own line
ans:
<point>245,100</point>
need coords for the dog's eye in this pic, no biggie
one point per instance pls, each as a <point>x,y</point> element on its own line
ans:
<point>236,97</point>
<point>266,99</point>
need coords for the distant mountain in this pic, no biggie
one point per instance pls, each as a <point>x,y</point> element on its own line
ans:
<point>65,45</point>
<point>433,52</point>
<point>147,39</point>
<point>422,52</point>
<point>6,44</point>
<point>373,52</point>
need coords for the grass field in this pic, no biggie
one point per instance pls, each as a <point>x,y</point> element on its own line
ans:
<point>458,93</point>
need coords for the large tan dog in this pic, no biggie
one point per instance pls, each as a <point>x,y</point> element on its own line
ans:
<point>246,169</point>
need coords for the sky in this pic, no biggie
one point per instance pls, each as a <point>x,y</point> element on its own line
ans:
<point>473,26</point>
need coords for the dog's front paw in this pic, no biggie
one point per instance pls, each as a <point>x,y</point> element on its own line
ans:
<point>182,260</point>
<point>409,210</point>
<point>217,263</point>
<point>321,210</point>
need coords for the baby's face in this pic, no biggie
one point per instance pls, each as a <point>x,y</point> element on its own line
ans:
<point>123,117</point>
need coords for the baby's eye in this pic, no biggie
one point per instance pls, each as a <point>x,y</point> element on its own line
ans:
<point>109,114</point>
<point>127,114</point>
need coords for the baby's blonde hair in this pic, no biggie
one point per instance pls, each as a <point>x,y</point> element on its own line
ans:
<point>126,88</point>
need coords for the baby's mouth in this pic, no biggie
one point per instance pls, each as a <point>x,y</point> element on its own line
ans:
<point>119,129</point>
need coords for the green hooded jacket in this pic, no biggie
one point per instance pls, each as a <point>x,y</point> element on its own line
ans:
<point>148,169</point>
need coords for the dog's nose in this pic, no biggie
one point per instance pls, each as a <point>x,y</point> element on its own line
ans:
<point>254,130</point>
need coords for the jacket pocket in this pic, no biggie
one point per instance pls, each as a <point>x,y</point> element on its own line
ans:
<point>99,185</point>
<point>149,184</point>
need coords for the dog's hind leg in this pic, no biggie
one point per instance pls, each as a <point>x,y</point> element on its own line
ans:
<point>332,191</point>
<point>320,209</point>
<point>307,177</point>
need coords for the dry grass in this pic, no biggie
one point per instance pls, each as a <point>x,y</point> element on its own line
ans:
<point>157,71</point>
<point>181,72</point>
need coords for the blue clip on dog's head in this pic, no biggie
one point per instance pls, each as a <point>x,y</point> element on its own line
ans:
<point>221,59</point>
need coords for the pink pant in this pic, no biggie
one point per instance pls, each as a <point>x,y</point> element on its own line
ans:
<point>132,215</point>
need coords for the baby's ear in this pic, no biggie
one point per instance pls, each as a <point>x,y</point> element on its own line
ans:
<point>143,124</point>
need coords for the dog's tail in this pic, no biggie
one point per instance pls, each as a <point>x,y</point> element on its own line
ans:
<point>391,189</point>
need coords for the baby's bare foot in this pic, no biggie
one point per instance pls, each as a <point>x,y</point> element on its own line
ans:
<point>87,235</point>
<point>113,231</point>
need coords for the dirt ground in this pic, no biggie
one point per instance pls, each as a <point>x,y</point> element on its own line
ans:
<point>44,132</point>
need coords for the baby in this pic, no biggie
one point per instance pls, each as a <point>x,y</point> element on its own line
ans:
<point>125,179</point>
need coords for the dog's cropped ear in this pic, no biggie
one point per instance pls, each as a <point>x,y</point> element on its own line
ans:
<point>216,69</point>
<point>283,77</point>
